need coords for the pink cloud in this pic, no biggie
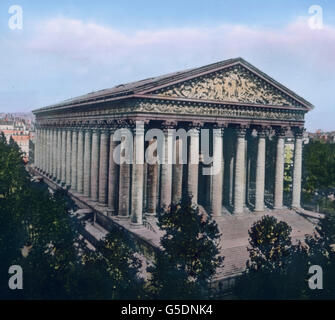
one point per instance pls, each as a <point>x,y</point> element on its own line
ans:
<point>77,40</point>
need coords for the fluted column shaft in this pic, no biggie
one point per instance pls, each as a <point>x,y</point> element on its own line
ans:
<point>193,165</point>
<point>297,169</point>
<point>177,173</point>
<point>239,172</point>
<point>68,157</point>
<point>43,150</point>
<point>137,181</point>
<point>113,177</point>
<point>152,180</point>
<point>95,165</point>
<point>103,168</point>
<point>37,147</point>
<point>80,161</point>
<point>54,154</point>
<point>217,174</point>
<point>166,175</point>
<point>63,155</point>
<point>260,172</point>
<point>124,189</point>
<point>87,163</point>
<point>59,155</point>
<point>50,140</point>
<point>279,178</point>
<point>47,152</point>
<point>74,155</point>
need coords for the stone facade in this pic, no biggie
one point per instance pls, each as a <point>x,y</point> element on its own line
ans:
<point>75,144</point>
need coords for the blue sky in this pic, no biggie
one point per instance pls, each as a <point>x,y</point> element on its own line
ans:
<point>67,48</point>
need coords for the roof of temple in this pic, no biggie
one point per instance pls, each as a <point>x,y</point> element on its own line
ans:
<point>150,84</point>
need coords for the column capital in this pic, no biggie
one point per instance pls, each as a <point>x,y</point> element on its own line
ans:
<point>196,126</point>
<point>298,132</point>
<point>263,131</point>
<point>218,130</point>
<point>281,132</point>
<point>241,131</point>
<point>168,125</point>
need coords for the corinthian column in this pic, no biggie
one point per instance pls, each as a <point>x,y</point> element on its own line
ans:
<point>137,181</point>
<point>63,154</point>
<point>124,183</point>
<point>74,168</point>
<point>113,176</point>
<point>80,161</point>
<point>217,174</point>
<point>47,151</point>
<point>152,180</point>
<point>43,150</point>
<point>103,168</point>
<point>260,171</point>
<point>37,147</point>
<point>177,178</point>
<point>59,155</point>
<point>193,165</point>
<point>95,165</point>
<point>166,176</point>
<point>54,154</point>
<point>68,158</point>
<point>87,163</point>
<point>239,172</point>
<point>279,178</point>
<point>297,168</point>
<point>50,152</point>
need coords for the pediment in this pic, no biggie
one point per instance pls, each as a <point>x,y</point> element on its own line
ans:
<point>233,84</point>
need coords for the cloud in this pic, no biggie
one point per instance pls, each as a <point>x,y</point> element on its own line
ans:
<point>93,43</point>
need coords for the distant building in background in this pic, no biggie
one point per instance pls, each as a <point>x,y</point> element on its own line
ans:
<point>20,127</point>
<point>322,135</point>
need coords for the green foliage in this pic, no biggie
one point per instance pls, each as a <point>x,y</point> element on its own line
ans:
<point>319,166</point>
<point>56,262</point>
<point>190,253</point>
<point>116,267</point>
<point>321,252</point>
<point>276,268</point>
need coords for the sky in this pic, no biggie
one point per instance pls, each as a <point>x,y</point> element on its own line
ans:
<point>71,47</point>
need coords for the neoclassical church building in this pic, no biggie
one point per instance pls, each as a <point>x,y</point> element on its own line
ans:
<point>252,115</point>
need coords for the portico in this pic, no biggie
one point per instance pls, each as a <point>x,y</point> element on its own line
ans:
<point>77,147</point>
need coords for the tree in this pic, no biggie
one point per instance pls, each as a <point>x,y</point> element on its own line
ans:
<point>319,166</point>
<point>189,256</point>
<point>13,235</point>
<point>114,268</point>
<point>276,268</point>
<point>321,252</point>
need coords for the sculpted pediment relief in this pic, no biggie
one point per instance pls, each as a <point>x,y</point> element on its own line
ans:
<point>236,84</point>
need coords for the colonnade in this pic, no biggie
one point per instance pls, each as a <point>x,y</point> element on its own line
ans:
<point>81,159</point>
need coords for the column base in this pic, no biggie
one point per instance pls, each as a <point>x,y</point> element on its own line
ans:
<point>150,214</point>
<point>122,217</point>
<point>102,204</point>
<point>111,212</point>
<point>278,208</point>
<point>134,225</point>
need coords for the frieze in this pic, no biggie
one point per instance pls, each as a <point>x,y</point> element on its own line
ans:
<point>105,115</point>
